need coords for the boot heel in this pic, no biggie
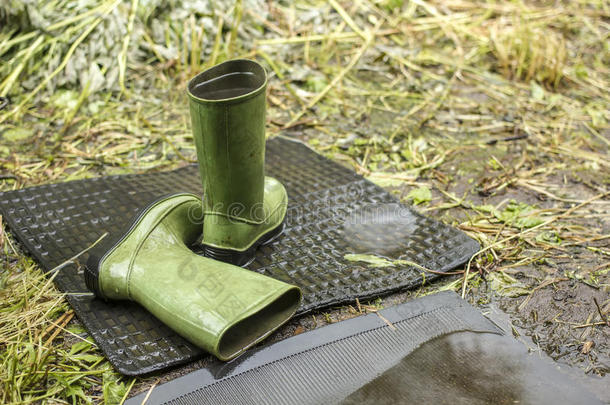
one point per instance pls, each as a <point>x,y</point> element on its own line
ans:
<point>230,256</point>
<point>244,258</point>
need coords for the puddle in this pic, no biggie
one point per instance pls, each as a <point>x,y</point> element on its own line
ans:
<point>471,368</point>
<point>380,229</point>
<point>596,384</point>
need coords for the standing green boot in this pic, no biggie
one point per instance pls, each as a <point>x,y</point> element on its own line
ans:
<point>219,307</point>
<point>242,208</point>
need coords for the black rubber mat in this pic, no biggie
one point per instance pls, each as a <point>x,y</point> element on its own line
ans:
<point>433,350</point>
<point>332,213</point>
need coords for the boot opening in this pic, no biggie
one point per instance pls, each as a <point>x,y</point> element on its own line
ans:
<point>259,325</point>
<point>231,79</point>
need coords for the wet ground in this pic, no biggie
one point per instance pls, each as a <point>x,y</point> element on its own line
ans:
<point>548,299</point>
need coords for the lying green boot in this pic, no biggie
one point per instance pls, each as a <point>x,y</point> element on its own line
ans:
<point>243,208</point>
<point>219,307</point>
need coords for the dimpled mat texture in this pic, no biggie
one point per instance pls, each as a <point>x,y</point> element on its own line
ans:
<point>333,212</point>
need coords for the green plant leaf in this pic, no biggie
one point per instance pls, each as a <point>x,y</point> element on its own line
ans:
<point>80,346</point>
<point>519,215</point>
<point>383,179</point>
<point>16,134</point>
<point>548,237</point>
<point>372,260</point>
<point>113,389</point>
<point>537,91</point>
<point>420,195</point>
<point>506,285</point>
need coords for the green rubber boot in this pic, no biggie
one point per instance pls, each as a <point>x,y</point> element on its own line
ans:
<point>242,208</point>
<point>221,308</point>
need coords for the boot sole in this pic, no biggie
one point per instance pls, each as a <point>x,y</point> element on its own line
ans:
<point>245,257</point>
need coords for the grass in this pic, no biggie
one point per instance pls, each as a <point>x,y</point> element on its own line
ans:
<point>45,355</point>
<point>493,116</point>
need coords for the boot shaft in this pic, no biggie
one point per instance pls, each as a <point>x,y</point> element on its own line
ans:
<point>227,105</point>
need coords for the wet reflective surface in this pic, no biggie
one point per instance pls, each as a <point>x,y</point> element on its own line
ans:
<point>380,229</point>
<point>471,368</point>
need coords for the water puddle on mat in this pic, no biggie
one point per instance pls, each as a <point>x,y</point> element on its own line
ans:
<point>380,229</point>
<point>471,368</point>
